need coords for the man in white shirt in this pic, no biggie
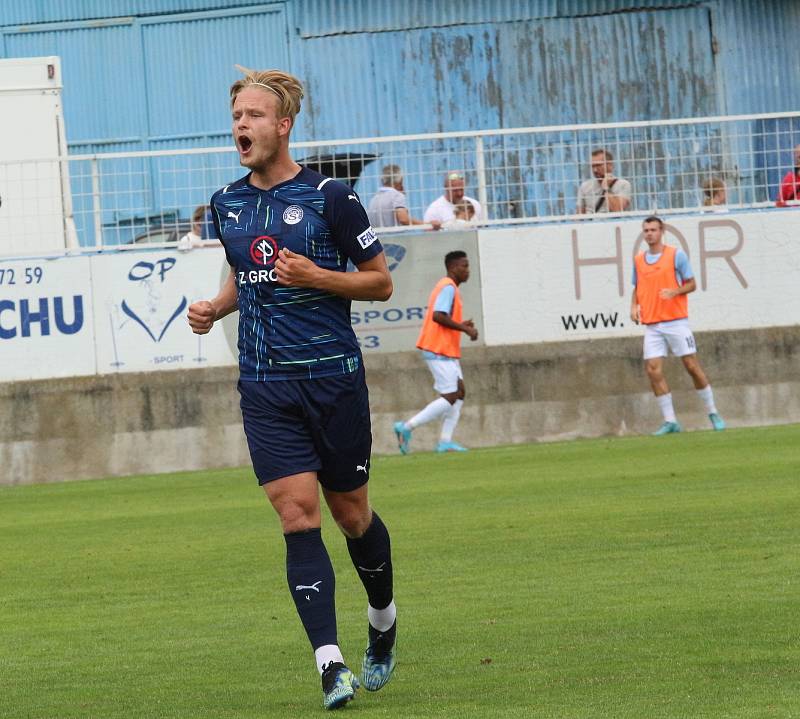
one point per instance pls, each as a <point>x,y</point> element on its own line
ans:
<point>443,209</point>
<point>388,207</point>
<point>604,192</point>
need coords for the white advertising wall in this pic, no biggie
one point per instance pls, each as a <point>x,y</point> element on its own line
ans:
<point>103,313</point>
<point>46,318</point>
<point>140,304</point>
<point>573,281</point>
<point>125,311</point>
<point>417,264</point>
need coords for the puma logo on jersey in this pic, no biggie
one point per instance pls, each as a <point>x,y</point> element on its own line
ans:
<point>352,197</point>
<point>234,216</point>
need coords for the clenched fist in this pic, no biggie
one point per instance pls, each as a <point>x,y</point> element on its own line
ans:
<point>295,270</point>
<point>201,317</point>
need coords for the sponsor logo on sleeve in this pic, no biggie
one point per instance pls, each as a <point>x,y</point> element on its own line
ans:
<point>366,238</point>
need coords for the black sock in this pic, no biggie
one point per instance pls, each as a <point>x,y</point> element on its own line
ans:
<point>312,584</point>
<point>372,557</point>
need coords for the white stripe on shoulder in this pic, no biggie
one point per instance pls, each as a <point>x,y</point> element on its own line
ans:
<point>321,184</point>
<point>225,189</point>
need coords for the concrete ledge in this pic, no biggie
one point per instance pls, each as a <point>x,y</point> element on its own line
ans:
<point>56,430</point>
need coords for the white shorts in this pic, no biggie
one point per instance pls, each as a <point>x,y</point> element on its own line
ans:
<point>662,337</point>
<point>446,373</point>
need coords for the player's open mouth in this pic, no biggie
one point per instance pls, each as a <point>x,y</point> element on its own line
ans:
<point>245,143</point>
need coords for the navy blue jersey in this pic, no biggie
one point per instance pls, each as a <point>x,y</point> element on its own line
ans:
<point>292,332</point>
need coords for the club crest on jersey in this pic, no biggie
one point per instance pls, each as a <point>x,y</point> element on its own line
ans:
<point>264,250</point>
<point>293,214</point>
<point>366,238</point>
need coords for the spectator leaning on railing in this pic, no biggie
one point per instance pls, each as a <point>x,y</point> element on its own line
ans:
<point>604,192</point>
<point>443,209</point>
<point>388,207</point>
<point>790,185</point>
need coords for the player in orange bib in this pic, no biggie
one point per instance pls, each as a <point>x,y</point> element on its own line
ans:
<point>440,342</point>
<point>662,281</point>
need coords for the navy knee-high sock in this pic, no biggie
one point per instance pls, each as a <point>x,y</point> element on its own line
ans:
<point>312,584</point>
<point>372,557</point>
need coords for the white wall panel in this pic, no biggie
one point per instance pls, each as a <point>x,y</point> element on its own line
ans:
<point>551,283</point>
<point>140,305</point>
<point>46,319</point>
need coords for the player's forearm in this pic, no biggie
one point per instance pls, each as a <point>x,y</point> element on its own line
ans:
<point>686,288</point>
<point>445,320</point>
<point>360,285</point>
<point>227,300</point>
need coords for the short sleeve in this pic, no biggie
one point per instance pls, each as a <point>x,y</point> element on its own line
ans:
<point>790,187</point>
<point>349,224</point>
<point>432,212</point>
<point>216,225</point>
<point>622,188</point>
<point>682,267</point>
<point>445,299</point>
<point>398,201</point>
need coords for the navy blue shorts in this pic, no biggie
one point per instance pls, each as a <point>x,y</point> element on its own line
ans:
<point>312,425</point>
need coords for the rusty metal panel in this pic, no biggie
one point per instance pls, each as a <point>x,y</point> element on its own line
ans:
<point>316,18</point>
<point>609,68</point>
<point>626,66</point>
<point>759,55</point>
<point>402,82</point>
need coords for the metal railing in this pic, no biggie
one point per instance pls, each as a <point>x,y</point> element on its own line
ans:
<point>518,175</point>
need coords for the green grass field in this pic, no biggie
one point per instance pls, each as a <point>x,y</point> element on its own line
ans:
<point>631,577</point>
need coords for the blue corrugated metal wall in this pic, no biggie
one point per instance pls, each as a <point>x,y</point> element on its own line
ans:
<point>25,12</point>
<point>104,89</point>
<point>393,67</point>
<point>316,18</point>
<point>608,68</point>
<point>157,75</point>
<point>146,83</point>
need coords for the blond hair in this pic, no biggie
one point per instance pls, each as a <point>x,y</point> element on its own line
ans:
<point>287,88</point>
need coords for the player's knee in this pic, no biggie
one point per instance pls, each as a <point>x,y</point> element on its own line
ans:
<point>692,366</point>
<point>653,371</point>
<point>297,518</point>
<point>353,520</point>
